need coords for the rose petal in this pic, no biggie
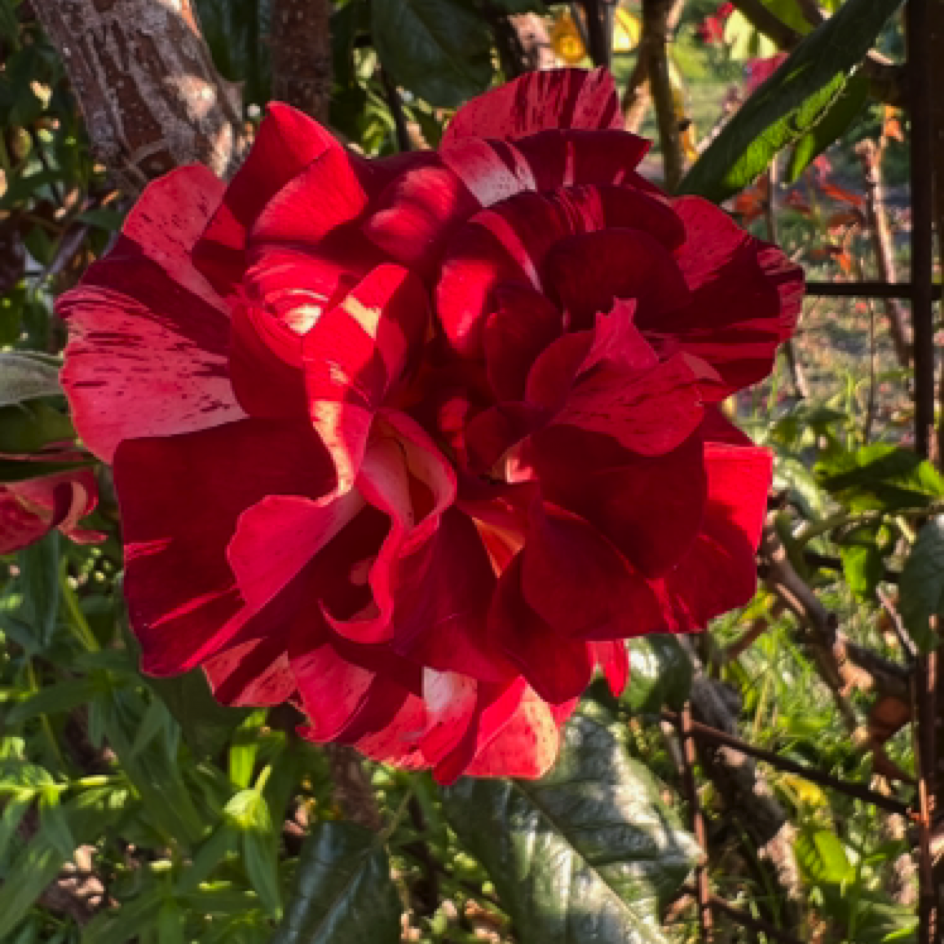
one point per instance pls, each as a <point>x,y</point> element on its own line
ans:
<point>578,582</point>
<point>539,101</point>
<point>558,668</point>
<point>146,357</point>
<point>180,500</point>
<point>354,355</point>
<point>584,274</point>
<point>287,141</point>
<point>745,299</point>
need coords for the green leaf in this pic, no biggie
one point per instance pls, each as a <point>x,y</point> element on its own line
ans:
<point>53,823</point>
<point>791,102</point>
<point>24,377</point>
<point>438,49</point>
<point>128,922</point>
<point>660,674</point>
<point>59,697</point>
<point>171,921</point>
<point>881,477</point>
<point>921,587</point>
<point>13,812</point>
<point>832,126</point>
<point>244,748</point>
<point>39,578</point>
<point>343,891</point>
<point>863,565</point>
<point>87,815</point>
<point>213,851</point>
<point>28,427</point>
<point>822,857</point>
<point>588,853</point>
<point>247,813</point>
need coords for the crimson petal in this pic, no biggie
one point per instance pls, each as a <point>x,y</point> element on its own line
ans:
<point>540,101</point>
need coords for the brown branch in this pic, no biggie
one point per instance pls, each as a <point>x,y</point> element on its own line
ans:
<point>703,890</point>
<point>870,157</point>
<point>352,788</point>
<point>656,33</point>
<point>857,790</point>
<point>143,77</point>
<point>300,37</point>
<point>746,794</point>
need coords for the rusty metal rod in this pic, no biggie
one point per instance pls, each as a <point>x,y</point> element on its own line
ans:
<point>857,790</point>
<point>918,31</point>
<point>867,289</point>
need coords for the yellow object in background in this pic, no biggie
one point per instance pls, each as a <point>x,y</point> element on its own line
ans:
<point>627,30</point>
<point>568,44</point>
<point>565,39</point>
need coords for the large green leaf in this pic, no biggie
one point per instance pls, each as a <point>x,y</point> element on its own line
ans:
<point>25,377</point>
<point>588,853</point>
<point>791,102</point>
<point>837,120</point>
<point>343,891</point>
<point>881,477</point>
<point>660,674</point>
<point>921,588</point>
<point>439,49</point>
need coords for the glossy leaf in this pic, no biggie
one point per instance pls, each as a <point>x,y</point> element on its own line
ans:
<point>588,853</point>
<point>921,588</point>
<point>343,891</point>
<point>660,674</point>
<point>438,49</point>
<point>791,102</point>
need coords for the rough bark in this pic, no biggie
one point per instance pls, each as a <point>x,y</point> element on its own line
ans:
<point>300,37</point>
<point>144,79</point>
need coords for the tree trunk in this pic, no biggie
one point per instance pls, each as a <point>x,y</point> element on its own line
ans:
<point>301,55</point>
<point>144,79</point>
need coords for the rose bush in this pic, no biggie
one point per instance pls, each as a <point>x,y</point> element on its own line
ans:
<point>416,443</point>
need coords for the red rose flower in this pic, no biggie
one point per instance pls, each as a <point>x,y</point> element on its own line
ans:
<point>31,509</point>
<point>415,443</point>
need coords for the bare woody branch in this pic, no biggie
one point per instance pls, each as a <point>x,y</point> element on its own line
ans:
<point>143,77</point>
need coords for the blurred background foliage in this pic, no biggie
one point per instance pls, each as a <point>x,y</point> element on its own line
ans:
<point>138,810</point>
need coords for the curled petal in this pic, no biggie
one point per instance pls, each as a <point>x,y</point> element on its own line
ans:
<point>287,142</point>
<point>745,299</point>
<point>353,356</point>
